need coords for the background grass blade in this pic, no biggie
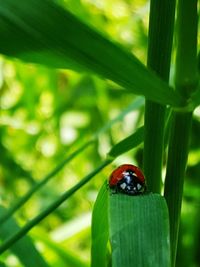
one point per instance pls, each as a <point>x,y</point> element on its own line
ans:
<point>100,231</point>
<point>66,257</point>
<point>43,181</point>
<point>19,234</point>
<point>128,143</point>
<point>43,32</point>
<point>138,102</point>
<point>24,249</point>
<point>139,231</point>
<point>118,150</point>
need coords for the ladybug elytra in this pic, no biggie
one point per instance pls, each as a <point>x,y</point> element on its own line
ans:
<point>127,179</point>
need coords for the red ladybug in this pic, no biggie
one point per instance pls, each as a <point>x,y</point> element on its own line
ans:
<point>127,179</point>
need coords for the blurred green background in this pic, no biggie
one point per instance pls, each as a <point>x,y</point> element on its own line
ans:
<point>46,114</point>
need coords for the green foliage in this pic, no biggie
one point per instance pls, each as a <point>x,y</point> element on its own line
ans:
<point>128,143</point>
<point>24,248</point>
<point>161,27</point>
<point>139,230</point>
<point>100,230</point>
<point>64,257</point>
<point>43,181</point>
<point>43,26</point>
<point>58,125</point>
<point>21,232</point>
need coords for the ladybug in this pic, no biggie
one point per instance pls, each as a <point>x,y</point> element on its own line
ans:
<point>127,179</point>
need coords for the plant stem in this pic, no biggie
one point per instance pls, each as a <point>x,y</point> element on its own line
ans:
<point>177,159</point>
<point>161,27</point>
<point>186,81</point>
<point>186,78</point>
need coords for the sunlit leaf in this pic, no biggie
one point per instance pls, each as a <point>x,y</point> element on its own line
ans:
<point>43,32</point>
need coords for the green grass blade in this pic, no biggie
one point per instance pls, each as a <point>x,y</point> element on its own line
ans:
<point>135,105</point>
<point>43,32</point>
<point>138,102</point>
<point>139,231</point>
<point>43,181</point>
<point>7,159</point>
<point>128,143</point>
<point>100,231</point>
<point>24,249</point>
<point>19,234</point>
<point>64,254</point>
<point>117,151</point>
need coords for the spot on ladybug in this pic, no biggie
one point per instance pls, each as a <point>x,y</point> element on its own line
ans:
<point>127,179</point>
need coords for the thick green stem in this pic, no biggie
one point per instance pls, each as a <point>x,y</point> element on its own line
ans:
<point>186,81</point>
<point>161,27</point>
<point>186,78</point>
<point>177,159</point>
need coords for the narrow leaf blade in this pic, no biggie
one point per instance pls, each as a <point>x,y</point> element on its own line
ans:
<point>24,249</point>
<point>100,229</point>
<point>128,143</point>
<point>43,32</point>
<point>139,231</point>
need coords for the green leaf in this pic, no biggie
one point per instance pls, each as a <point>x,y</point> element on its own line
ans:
<point>55,204</point>
<point>66,257</point>
<point>20,202</point>
<point>24,249</point>
<point>43,32</point>
<point>138,102</point>
<point>100,229</point>
<point>139,231</point>
<point>128,143</point>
